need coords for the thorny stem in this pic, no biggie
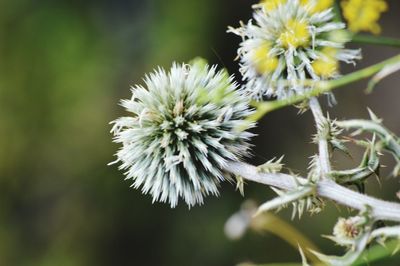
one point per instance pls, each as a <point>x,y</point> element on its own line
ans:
<point>323,146</point>
<point>320,87</point>
<point>372,126</point>
<point>380,209</point>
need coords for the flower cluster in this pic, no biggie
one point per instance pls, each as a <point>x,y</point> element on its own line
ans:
<point>288,41</point>
<point>363,15</point>
<point>183,129</point>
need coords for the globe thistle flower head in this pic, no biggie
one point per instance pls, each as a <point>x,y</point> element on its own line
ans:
<point>292,41</point>
<point>363,15</point>
<point>182,130</point>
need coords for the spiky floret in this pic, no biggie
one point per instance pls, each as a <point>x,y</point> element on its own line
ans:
<point>288,43</point>
<point>183,128</point>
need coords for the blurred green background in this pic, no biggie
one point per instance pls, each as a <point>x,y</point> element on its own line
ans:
<point>65,64</point>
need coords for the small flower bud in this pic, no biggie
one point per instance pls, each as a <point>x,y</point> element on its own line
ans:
<point>347,229</point>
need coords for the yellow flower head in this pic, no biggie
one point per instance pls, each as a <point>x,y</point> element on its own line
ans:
<point>263,62</point>
<point>287,41</point>
<point>363,15</point>
<point>327,65</point>
<point>295,35</point>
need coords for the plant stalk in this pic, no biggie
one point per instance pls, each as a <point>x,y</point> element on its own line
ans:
<point>320,87</point>
<point>380,209</point>
<point>375,40</point>
<point>323,146</point>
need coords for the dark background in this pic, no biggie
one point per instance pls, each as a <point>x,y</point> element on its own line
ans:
<point>64,65</point>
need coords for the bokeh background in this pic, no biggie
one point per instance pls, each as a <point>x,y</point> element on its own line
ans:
<point>65,64</point>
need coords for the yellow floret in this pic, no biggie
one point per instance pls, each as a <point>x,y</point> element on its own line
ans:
<point>327,65</point>
<point>318,6</point>
<point>270,5</point>
<point>363,15</point>
<point>263,62</point>
<point>295,35</point>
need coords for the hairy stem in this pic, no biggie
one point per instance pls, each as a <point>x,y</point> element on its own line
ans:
<point>380,209</point>
<point>323,146</point>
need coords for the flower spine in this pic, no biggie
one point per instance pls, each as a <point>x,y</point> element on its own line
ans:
<point>182,131</point>
<point>289,41</point>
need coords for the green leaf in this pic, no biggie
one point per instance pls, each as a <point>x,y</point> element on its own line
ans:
<point>377,253</point>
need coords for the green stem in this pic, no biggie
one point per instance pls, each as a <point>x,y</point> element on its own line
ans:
<point>320,87</point>
<point>338,12</point>
<point>375,40</point>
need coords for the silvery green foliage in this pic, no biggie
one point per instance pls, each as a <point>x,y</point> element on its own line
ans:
<point>357,232</point>
<point>294,63</point>
<point>386,71</point>
<point>388,141</point>
<point>272,166</point>
<point>353,233</point>
<point>183,127</point>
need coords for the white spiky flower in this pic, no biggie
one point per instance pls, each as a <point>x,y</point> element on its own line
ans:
<point>346,231</point>
<point>289,41</point>
<point>185,125</point>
